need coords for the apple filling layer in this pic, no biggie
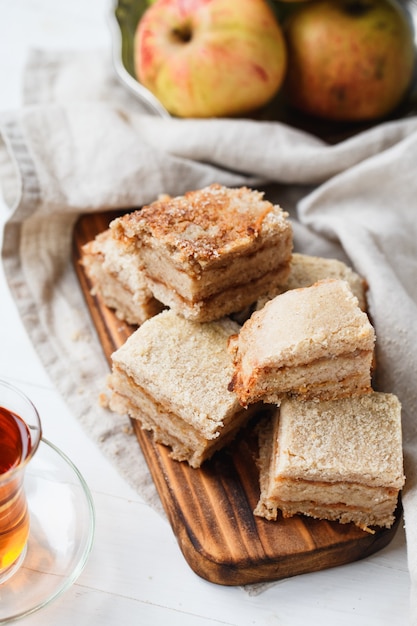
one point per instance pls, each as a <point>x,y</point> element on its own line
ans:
<point>339,501</point>
<point>363,515</point>
<point>226,301</point>
<point>361,504</point>
<point>324,378</point>
<point>187,442</point>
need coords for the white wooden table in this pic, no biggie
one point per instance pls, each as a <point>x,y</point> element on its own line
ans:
<point>136,573</point>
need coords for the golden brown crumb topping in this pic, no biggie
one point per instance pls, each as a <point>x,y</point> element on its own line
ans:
<point>206,222</point>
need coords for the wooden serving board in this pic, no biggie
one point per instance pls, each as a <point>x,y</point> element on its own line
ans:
<point>211,508</point>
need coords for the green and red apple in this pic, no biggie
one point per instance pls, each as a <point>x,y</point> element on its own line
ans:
<point>349,60</point>
<point>210,58</point>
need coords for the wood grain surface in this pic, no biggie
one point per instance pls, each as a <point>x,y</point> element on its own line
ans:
<point>211,509</point>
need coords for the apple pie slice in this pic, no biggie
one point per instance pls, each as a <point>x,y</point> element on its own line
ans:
<point>210,252</point>
<point>339,460</point>
<point>312,342</point>
<point>171,375</point>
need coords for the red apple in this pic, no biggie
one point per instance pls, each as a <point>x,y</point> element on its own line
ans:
<point>210,58</point>
<point>348,60</point>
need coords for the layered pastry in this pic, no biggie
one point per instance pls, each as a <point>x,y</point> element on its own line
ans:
<point>171,375</point>
<point>337,460</point>
<point>117,277</point>
<point>312,342</point>
<point>210,252</point>
<point>307,270</point>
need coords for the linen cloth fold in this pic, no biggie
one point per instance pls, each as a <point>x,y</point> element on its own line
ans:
<point>82,143</point>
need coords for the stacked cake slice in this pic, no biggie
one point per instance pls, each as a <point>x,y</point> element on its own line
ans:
<point>210,252</point>
<point>338,460</point>
<point>171,375</point>
<point>312,342</point>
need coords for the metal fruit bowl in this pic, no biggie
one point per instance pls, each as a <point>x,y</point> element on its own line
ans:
<point>124,18</point>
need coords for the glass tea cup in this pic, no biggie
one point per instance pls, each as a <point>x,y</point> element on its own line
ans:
<point>20,435</point>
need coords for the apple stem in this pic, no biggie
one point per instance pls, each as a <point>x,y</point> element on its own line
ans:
<point>183,34</point>
<point>356,9</point>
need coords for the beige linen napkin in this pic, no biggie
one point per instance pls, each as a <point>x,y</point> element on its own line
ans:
<point>82,143</point>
